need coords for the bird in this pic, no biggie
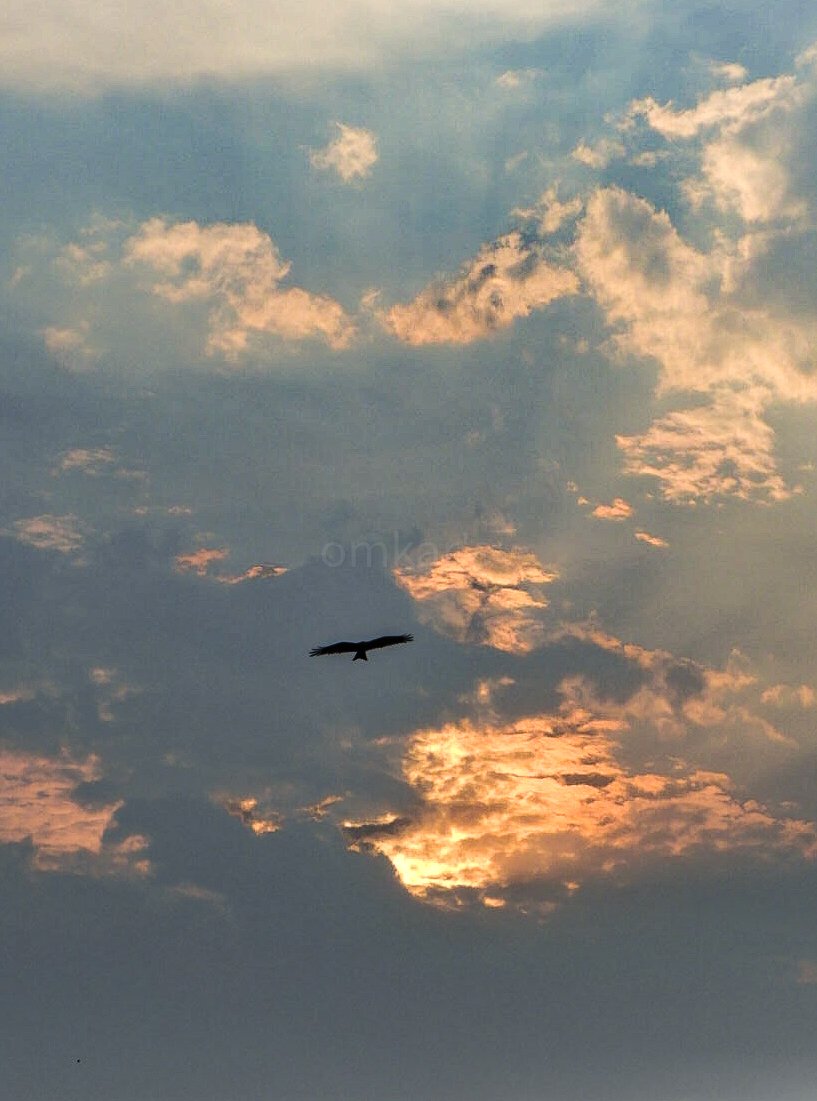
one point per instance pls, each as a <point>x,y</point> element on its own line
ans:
<point>359,649</point>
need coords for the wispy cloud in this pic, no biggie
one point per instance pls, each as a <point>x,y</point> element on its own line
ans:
<point>64,534</point>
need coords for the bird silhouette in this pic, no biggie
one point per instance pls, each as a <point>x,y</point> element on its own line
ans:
<point>360,649</point>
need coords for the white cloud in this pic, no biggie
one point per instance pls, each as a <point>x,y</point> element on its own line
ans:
<point>599,155</point>
<point>549,212</point>
<point>516,78</point>
<point>352,154</point>
<point>237,269</point>
<point>506,281</point>
<point>70,347</point>
<point>55,45</point>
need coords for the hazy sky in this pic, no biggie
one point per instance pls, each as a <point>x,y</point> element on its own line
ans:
<point>489,321</point>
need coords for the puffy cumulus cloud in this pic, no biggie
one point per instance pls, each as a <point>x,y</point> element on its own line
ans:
<point>482,594</point>
<point>651,540</point>
<point>64,534</point>
<point>237,270</point>
<point>352,154</point>
<point>681,307</point>
<point>41,802</point>
<point>538,807</point>
<point>55,45</point>
<point>720,450</point>
<point>752,135</point>
<point>617,510</point>
<point>507,280</point>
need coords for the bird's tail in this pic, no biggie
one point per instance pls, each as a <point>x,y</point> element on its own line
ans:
<point>360,656</point>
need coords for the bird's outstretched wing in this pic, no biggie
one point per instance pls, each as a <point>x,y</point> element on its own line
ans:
<point>335,648</point>
<point>387,640</point>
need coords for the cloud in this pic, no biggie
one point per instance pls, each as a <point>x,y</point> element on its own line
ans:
<point>806,972</point>
<point>352,154</point>
<point>549,212</point>
<point>199,561</point>
<point>92,461</point>
<point>40,802</point>
<point>246,811</point>
<point>512,79</point>
<point>58,533</point>
<point>751,137</point>
<point>710,452</point>
<point>599,155</point>
<point>55,46</point>
<point>598,788</point>
<point>506,281</point>
<point>70,347</point>
<point>236,269</point>
<point>482,595</point>
<point>681,307</point>
<point>618,510</point>
<point>651,540</point>
<point>730,71</point>
<point>542,806</point>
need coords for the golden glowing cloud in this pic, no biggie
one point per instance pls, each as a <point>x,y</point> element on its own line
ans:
<point>541,805</point>
<point>651,540</point>
<point>617,510</point>
<point>199,561</point>
<point>47,532</point>
<point>482,594</point>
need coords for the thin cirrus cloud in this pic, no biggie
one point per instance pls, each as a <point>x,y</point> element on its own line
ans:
<point>507,280</point>
<point>352,154</point>
<point>236,269</point>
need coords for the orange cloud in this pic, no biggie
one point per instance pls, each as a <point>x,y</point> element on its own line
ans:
<point>507,280</point>
<point>542,805</point>
<point>246,811</point>
<point>37,803</point>
<point>199,561</point>
<point>48,532</point>
<point>651,540</point>
<point>618,510</point>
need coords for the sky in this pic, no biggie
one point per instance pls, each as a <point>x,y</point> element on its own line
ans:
<point>489,322</point>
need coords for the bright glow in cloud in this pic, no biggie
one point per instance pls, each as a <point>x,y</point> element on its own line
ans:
<point>542,805</point>
<point>482,594</point>
<point>651,540</point>
<point>246,811</point>
<point>352,154</point>
<point>237,270</point>
<point>199,561</point>
<point>507,280</point>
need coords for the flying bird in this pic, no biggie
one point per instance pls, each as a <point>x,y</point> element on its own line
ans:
<point>360,649</point>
